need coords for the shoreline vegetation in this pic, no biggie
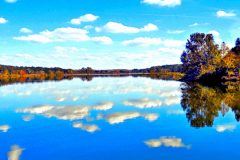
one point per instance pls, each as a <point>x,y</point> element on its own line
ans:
<point>23,74</point>
<point>202,61</point>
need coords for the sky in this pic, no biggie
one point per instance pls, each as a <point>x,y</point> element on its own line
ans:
<point>109,34</point>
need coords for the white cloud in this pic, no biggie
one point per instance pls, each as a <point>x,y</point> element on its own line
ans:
<point>63,50</point>
<point>57,35</point>
<point>11,1</point>
<point>15,153</point>
<point>175,31</point>
<point>217,36</point>
<point>163,3</point>
<point>76,60</point>
<point>88,27</point>
<point>198,24</point>
<point>226,127</point>
<point>222,13</point>
<point>114,27</point>
<point>98,29</point>
<point>170,50</point>
<point>84,18</point>
<point>173,43</point>
<point>63,35</point>
<point>166,142</point>
<point>3,20</point>
<point>142,41</point>
<point>149,27</point>
<point>25,30</point>
<point>147,41</point>
<point>103,40</point>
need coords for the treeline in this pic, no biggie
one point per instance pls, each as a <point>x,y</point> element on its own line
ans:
<point>204,60</point>
<point>40,72</point>
<point>15,72</point>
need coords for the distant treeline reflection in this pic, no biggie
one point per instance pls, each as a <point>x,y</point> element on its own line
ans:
<point>203,104</point>
<point>36,79</point>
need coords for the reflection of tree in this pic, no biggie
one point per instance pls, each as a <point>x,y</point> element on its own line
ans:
<point>6,81</point>
<point>203,104</point>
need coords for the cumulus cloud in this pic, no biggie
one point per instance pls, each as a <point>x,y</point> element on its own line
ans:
<point>114,27</point>
<point>103,40</point>
<point>142,41</point>
<point>89,128</point>
<point>163,3</point>
<point>25,30</point>
<point>64,50</point>
<point>63,35</point>
<point>84,18</point>
<point>216,35</point>
<point>166,142</point>
<point>147,41</point>
<point>112,59</point>
<point>169,50</point>
<point>149,27</point>
<point>11,1</point>
<point>3,20</point>
<point>222,13</point>
<point>225,127</point>
<point>4,128</point>
<point>15,153</point>
<point>57,35</point>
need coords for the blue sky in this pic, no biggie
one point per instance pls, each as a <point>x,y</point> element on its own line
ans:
<point>109,33</point>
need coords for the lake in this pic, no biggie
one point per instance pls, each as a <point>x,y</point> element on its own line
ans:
<point>118,119</point>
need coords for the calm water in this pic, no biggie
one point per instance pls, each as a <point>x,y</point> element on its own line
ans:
<point>117,119</point>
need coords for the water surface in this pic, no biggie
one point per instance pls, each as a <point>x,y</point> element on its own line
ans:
<point>118,118</point>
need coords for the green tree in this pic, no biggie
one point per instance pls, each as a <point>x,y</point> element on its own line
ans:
<point>236,49</point>
<point>201,56</point>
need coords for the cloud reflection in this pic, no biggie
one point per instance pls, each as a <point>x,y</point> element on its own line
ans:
<point>15,153</point>
<point>119,117</point>
<point>166,142</point>
<point>152,103</point>
<point>27,118</point>
<point>89,128</point>
<point>66,112</point>
<point>143,103</point>
<point>4,128</point>
<point>225,127</point>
